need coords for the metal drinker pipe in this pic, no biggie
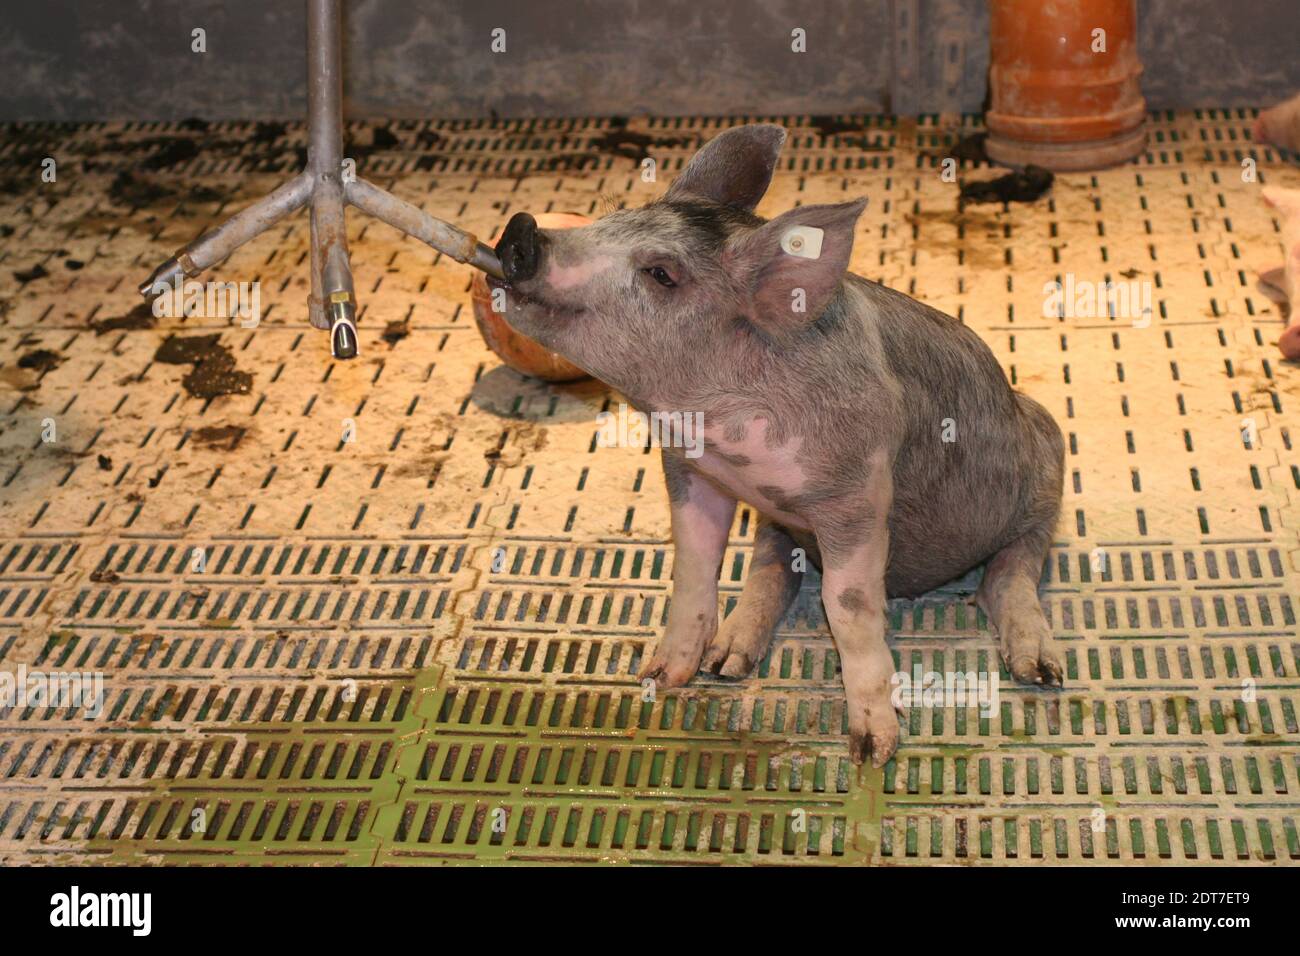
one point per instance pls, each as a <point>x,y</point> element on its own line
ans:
<point>322,186</point>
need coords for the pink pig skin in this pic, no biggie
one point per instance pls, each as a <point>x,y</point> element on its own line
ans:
<point>1286,202</point>
<point>1280,125</point>
<point>1289,343</point>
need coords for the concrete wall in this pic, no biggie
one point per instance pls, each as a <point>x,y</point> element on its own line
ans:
<point>112,59</point>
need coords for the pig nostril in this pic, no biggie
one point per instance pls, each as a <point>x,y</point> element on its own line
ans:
<point>519,248</point>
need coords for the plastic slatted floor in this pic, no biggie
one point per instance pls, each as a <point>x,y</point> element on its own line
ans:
<point>420,646</point>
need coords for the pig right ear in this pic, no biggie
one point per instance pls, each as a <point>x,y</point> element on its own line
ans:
<point>790,268</point>
<point>733,169</point>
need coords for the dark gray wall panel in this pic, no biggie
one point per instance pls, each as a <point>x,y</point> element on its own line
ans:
<point>94,59</point>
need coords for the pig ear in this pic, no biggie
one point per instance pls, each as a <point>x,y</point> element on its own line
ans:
<point>790,268</point>
<point>734,168</point>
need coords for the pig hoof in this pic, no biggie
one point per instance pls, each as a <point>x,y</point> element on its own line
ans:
<point>1029,653</point>
<point>714,658</point>
<point>722,660</point>
<point>736,648</point>
<point>1044,669</point>
<point>878,740</point>
<point>736,665</point>
<point>663,675</point>
<point>667,669</point>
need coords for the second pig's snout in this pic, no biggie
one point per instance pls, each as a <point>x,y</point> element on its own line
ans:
<point>519,248</point>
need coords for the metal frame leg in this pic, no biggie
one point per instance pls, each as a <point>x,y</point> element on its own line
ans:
<point>332,303</point>
<point>333,298</point>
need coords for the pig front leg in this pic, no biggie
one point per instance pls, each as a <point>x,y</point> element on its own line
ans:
<point>855,551</point>
<point>771,585</point>
<point>701,522</point>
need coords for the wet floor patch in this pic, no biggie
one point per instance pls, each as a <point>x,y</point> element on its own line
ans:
<point>970,149</point>
<point>1027,185</point>
<point>214,372</point>
<point>139,318</point>
<point>37,271</point>
<point>136,189</point>
<point>41,360</point>
<point>394,332</point>
<point>223,437</point>
<point>633,144</point>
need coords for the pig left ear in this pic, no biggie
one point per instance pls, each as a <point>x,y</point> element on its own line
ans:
<point>790,268</point>
<point>732,169</point>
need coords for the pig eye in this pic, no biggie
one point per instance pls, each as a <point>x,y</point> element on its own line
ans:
<point>660,275</point>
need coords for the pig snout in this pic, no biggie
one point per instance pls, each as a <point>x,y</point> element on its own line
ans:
<point>520,248</point>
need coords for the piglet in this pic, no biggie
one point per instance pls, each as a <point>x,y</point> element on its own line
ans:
<point>1280,125</point>
<point>1283,283</point>
<point>874,436</point>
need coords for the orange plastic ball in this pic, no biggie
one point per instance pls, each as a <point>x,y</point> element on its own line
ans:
<point>517,350</point>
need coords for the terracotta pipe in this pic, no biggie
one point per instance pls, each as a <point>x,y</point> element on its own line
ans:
<point>1064,84</point>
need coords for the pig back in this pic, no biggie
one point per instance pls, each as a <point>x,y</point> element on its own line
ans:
<point>974,469</point>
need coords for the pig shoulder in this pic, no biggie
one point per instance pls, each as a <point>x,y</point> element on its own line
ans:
<point>937,361</point>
